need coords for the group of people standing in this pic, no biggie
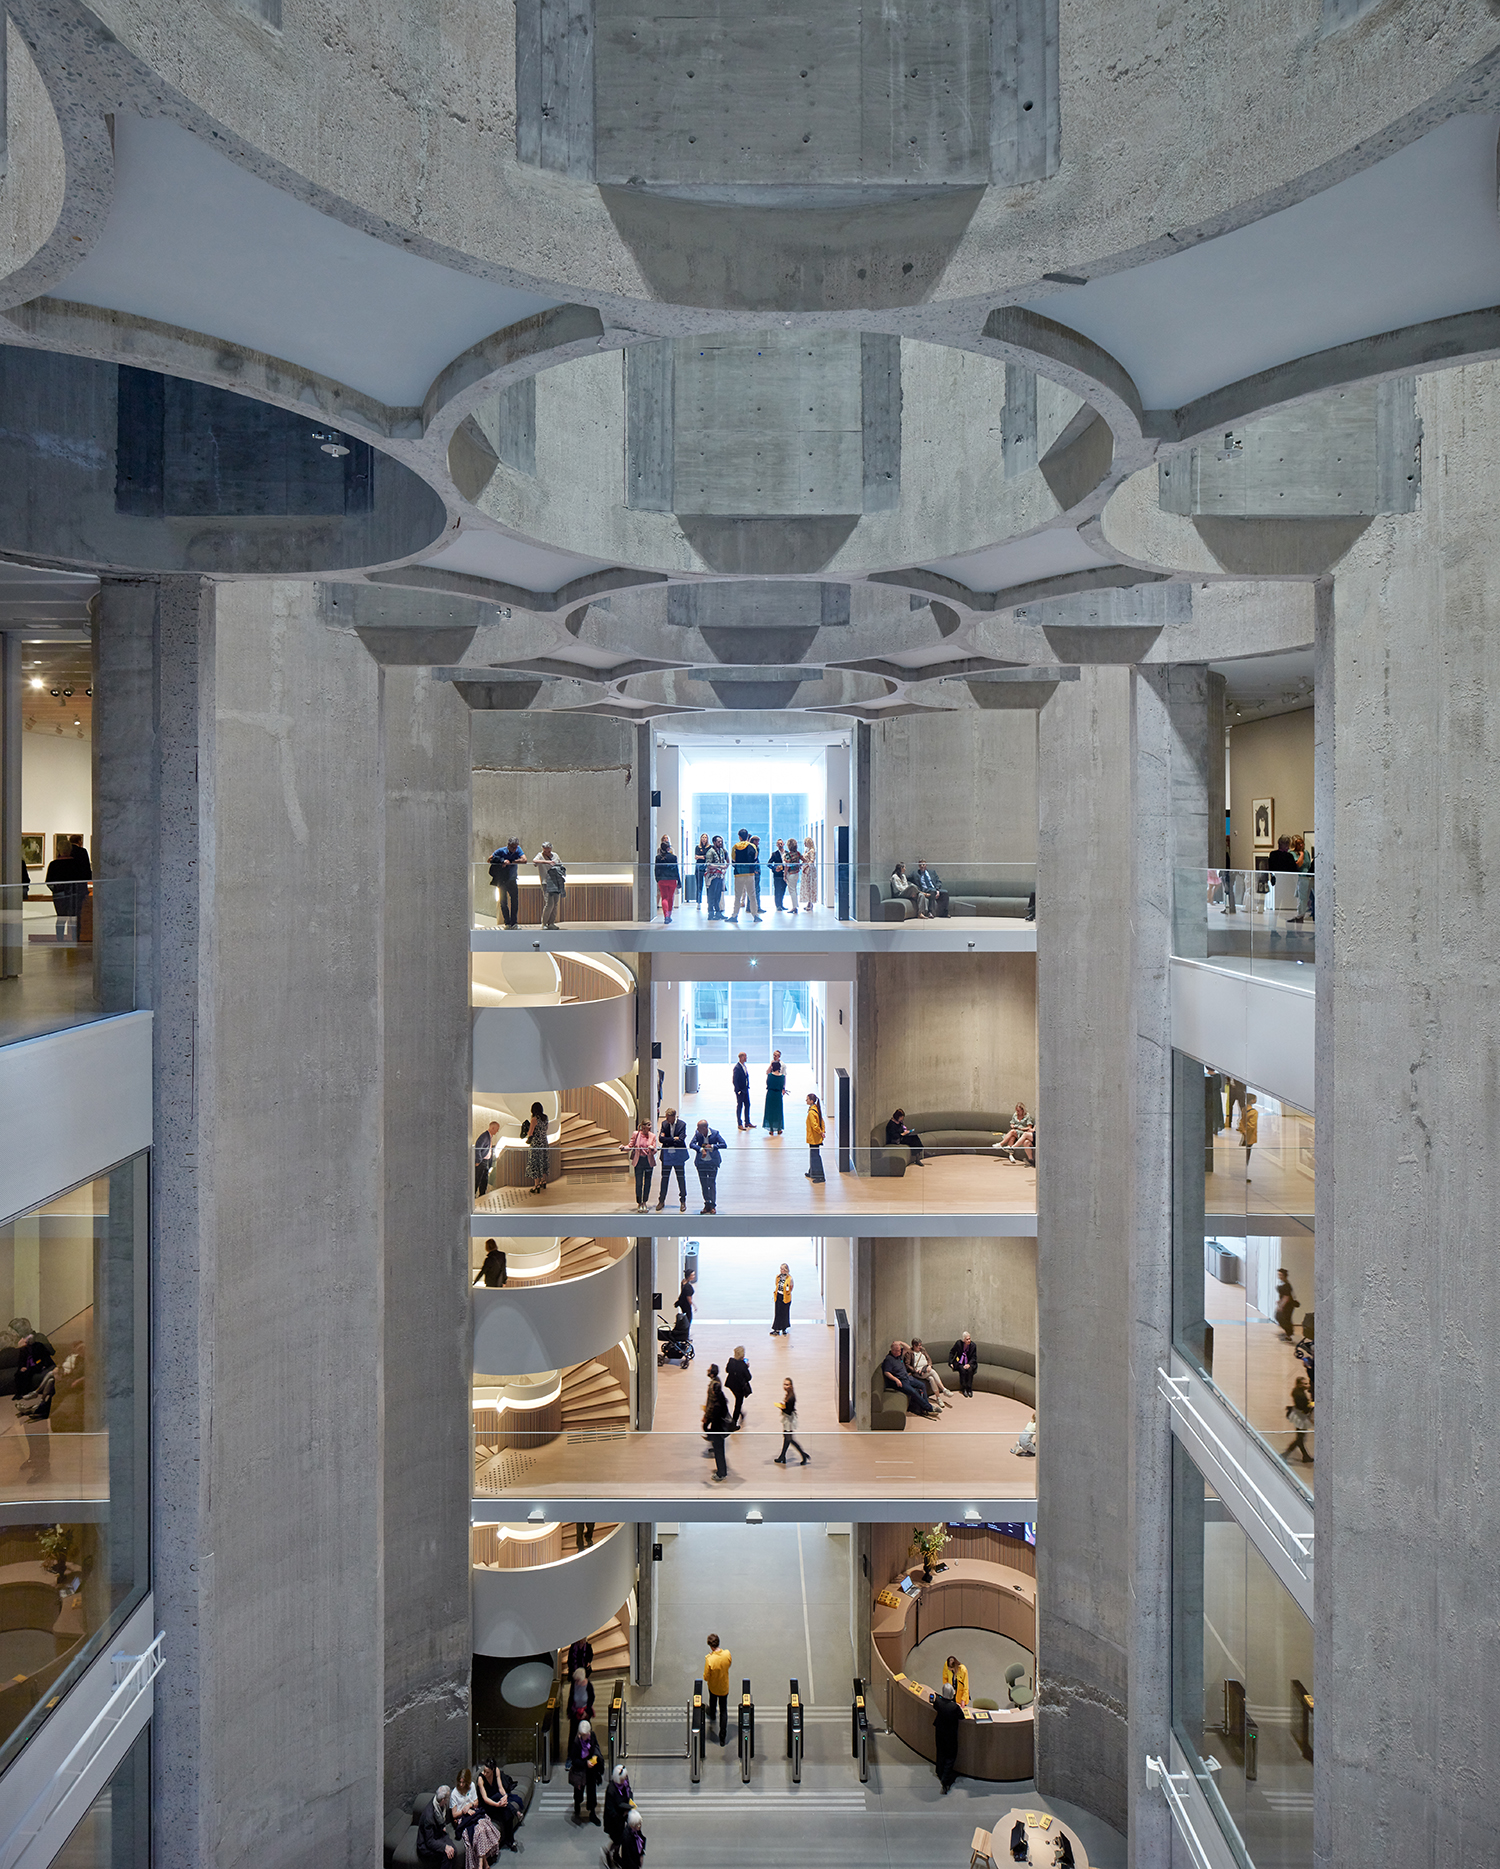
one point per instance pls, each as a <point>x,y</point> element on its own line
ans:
<point>793,867</point>
<point>671,1145</point>
<point>585,1761</point>
<point>505,874</point>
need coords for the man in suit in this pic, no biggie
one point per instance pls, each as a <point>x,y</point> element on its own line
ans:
<point>777,868</point>
<point>486,1145</point>
<point>671,1138</point>
<point>931,885</point>
<point>742,1094</point>
<point>708,1147</point>
<point>947,1719</point>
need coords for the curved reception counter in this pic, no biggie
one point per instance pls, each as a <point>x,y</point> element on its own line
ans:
<point>969,1594</point>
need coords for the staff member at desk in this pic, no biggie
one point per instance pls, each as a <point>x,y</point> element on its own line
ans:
<point>956,1676</point>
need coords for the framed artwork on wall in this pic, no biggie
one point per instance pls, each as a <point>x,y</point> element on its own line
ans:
<point>1263,818</point>
<point>33,849</point>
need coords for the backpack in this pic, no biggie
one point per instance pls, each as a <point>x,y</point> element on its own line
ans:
<point>497,863</point>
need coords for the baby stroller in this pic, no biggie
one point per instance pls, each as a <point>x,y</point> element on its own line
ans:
<point>674,1343</point>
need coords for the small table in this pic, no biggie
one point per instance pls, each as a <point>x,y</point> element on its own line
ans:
<point>1042,1832</point>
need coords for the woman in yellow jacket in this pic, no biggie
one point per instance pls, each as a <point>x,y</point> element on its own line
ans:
<point>1249,1128</point>
<point>815,1135</point>
<point>955,1672</point>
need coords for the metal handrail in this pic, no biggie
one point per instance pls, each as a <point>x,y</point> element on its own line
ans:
<point>1177,1390</point>
<point>1171,1789</point>
<point>131,1681</point>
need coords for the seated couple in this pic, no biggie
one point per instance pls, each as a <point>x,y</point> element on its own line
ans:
<point>925,889</point>
<point>909,1369</point>
<point>1018,1144</point>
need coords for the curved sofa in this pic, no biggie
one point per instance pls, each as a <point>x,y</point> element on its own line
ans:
<point>940,1130</point>
<point>1004,1369</point>
<point>1003,889</point>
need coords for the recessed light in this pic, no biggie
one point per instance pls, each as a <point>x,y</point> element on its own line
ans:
<point>36,681</point>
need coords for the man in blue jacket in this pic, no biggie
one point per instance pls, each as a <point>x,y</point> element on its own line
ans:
<point>745,856</point>
<point>742,1095</point>
<point>707,1145</point>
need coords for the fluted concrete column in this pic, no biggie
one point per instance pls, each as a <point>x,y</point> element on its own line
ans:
<point>428,1328</point>
<point>239,763</point>
<point>1408,1112</point>
<point>1085,1027</point>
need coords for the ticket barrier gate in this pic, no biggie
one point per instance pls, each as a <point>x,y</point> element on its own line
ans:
<point>794,1732</point>
<point>746,1730</point>
<point>861,1731</point>
<point>618,1741</point>
<point>697,1733</point>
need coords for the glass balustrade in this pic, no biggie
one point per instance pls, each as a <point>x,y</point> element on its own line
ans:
<point>1248,921</point>
<point>65,959</point>
<point>714,895</point>
<point>1243,1309</point>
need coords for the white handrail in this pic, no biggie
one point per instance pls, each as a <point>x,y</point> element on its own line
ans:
<point>1177,1390</point>
<point>1157,1773</point>
<point>130,1683</point>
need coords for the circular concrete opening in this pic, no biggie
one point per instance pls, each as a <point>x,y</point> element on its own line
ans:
<point>528,1685</point>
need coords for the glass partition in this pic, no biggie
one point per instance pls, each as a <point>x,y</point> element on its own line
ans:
<point>710,892</point>
<point>115,1831</point>
<point>66,956</point>
<point>74,1503</point>
<point>1242,1680</point>
<point>1243,1245</point>
<point>1262,921</point>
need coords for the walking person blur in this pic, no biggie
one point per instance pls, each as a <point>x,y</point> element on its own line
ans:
<point>773,1121</point>
<point>741,1080</point>
<point>671,1140</point>
<point>708,1146</point>
<point>788,1409</point>
<point>716,1665</point>
<point>1286,1303</point>
<point>716,1427</point>
<point>585,1768</point>
<point>815,1135</point>
<point>486,1148</point>
<point>685,1300</point>
<point>641,1149</point>
<point>1300,1414</point>
<point>534,1134</point>
<point>493,1272</point>
<point>554,878</point>
<point>633,1844</point>
<point>504,871</point>
<point>781,1321</point>
<point>1249,1128</point>
<point>580,1701</point>
<point>737,1381</point>
<point>668,877</point>
<point>618,1804</point>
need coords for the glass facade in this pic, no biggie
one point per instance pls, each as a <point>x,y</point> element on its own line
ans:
<point>753,1016</point>
<point>1243,1250</point>
<point>1242,1678</point>
<point>74,1501</point>
<point>115,1831</point>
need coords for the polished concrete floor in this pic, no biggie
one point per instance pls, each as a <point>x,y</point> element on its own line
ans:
<point>778,1598</point>
<point>53,983</point>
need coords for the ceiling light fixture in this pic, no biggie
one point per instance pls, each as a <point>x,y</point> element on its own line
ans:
<point>36,681</point>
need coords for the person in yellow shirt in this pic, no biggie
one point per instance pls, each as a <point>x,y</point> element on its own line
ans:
<point>955,1672</point>
<point>815,1135</point>
<point>716,1665</point>
<point>1249,1128</point>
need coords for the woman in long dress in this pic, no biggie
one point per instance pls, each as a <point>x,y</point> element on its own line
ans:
<point>774,1120</point>
<point>781,1323</point>
<point>809,872</point>
<point>534,1129</point>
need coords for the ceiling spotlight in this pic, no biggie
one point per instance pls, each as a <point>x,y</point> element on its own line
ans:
<point>36,681</point>
<point>331,443</point>
<point>88,691</point>
<point>753,1516</point>
<point>68,692</point>
<point>55,692</point>
<point>971,1513</point>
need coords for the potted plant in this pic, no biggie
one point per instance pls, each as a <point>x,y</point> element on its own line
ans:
<point>55,1541</point>
<point>928,1546</point>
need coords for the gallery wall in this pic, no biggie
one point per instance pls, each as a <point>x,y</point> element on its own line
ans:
<point>1270,759</point>
<point>56,788</point>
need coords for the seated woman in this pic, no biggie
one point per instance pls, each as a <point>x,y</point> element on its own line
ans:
<point>955,1672</point>
<point>897,1135</point>
<point>463,1803</point>
<point>903,889</point>
<point>500,1800</point>
<point>920,1364</point>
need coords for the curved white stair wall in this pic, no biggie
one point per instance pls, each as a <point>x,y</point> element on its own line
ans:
<point>546,1606</point>
<point>584,1042</point>
<point>554,1326</point>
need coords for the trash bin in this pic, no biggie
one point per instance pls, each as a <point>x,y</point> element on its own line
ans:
<point>690,1078</point>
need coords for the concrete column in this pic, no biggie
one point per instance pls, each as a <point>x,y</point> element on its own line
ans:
<point>240,782</point>
<point>645,843</point>
<point>861,1587</point>
<point>1085,1018</point>
<point>862,1329</point>
<point>1408,1111</point>
<point>1178,748</point>
<point>862,782</point>
<point>645,1343</point>
<point>10,799</point>
<point>645,1598</point>
<point>428,1466</point>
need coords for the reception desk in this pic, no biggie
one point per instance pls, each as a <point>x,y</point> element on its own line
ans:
<point>969,1594</point>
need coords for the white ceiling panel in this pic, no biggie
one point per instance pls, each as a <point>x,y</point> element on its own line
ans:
<point>481,554</point>
<point>194,240</point>
<point>1020,561</point>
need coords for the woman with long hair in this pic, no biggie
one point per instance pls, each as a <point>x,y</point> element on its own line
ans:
<point>668,877</point>
<point>788,1406</point>
<point>534,1132</point>
<point>773,1119</point>
<point>809,872</point>
<point>815,1135</point>
<point>641,1148</point>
